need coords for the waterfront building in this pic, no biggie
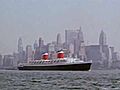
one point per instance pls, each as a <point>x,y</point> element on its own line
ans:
<point>116,61</point>
<point>93,53</point>
<point>20,45</point>
<point>104,49</point>
<point>99,54</point>
<point>102,38</point>
<point>16,59</point>
<point>21,52</point>
<point>59,39</point>
<point>41,42</point>
<point>82,52</point>
<point>58,44</point>
<point>115,58</point>
<point>29,52</point>
<point>1,61</point>
<point>37,53</point>
<point>74,37</point>
<point>35,45</point>
<point>40,49</point>
<point>51,47</point>
<point>71,50</point>
<point>100,60</point>
<point>51,50</point>
<point>106,56</point>
<point>114,55</point>
<point>8,61</point>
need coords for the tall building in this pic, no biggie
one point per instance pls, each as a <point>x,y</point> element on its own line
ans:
<point>102,38</point>
<point>71,35</point>
<point>20,45</point>
<point>8,61</point>
<point>35,45</point>
<point>1,61</point>
<point>21,52</point>
<point>51,47</point>
<point>99,54</point>
<point>37,48</point>
<point>114,55</point>
<point>115,58</point>
<point>29,53</point>
<point>59,39</point>
<point>51,50</point>
<point>104,49</point>
<point>82,53</point>
<point>16,59</point>
<point>58,44</point>
<point>93,53</point>
<point>71,50</point>
<point>41,42</point>
<point>37,53</point>
<point>74,37</point>
<point>40,49</point>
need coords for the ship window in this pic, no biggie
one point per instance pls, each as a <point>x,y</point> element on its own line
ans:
<point>50,61</point>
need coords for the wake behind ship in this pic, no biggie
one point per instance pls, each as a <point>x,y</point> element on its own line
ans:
<point>60,63</point>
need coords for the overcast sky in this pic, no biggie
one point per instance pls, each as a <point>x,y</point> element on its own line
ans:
<point>31,19</point>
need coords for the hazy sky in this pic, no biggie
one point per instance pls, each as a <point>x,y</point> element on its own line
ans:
<point>31,19</point>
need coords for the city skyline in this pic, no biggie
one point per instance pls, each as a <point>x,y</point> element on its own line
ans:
<point>33,19</point>
<point>103,56</point>
<point>56,36</point>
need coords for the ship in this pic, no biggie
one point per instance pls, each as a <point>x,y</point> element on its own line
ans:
<point>58,64</point>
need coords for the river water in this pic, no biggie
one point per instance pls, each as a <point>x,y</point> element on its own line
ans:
<point>60,80</point>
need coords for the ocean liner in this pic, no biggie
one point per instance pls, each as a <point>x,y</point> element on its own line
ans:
<point>60,63</point>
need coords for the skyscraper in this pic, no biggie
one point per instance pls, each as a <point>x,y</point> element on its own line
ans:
<point>1,60</point>
<point>102,38</point>
<point>35,45</point>
<point>16,59</point>
<point>71,35</point>
<point>20,45</point>
<point>41,42</point>
<point>40,49</point>
<point>74,37</point>
<point>104,49</point>
<point>58,38</point>
<point>8,61</point>
<point>93,53</point>
<point>29,53</point>
<point>21,52</point>
<point>59,42</point>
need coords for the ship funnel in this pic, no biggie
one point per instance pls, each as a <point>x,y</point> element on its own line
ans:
<point>45,56</point>
<point>60,54</point>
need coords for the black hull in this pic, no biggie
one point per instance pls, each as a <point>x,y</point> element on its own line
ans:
<point>67,67</point>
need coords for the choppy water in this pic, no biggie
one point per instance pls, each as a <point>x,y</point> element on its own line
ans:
<point>57,80</point>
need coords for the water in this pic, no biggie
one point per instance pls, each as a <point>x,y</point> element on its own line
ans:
<point>60,80</point>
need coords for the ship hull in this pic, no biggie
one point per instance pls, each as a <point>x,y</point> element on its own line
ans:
<point>66,67</point>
